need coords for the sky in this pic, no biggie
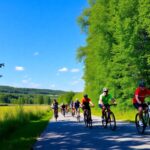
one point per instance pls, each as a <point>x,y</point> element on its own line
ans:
<point>38,44</point>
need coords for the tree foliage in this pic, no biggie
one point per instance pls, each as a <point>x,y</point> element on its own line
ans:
<point>117,53</point>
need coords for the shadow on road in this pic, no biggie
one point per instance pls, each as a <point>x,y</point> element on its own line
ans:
<point>73,135</point>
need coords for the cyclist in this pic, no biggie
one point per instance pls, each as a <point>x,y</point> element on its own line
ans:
<point>67,108</point>
<point>63,106</point>
<point>139,99</point>
<point>72,106</point>
<point>85,104</point>
<point>77,106</point>
<point>104,100</point>
<point>55,106</point>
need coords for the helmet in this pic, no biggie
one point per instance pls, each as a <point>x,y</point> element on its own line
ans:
<point>85,96</point>
<point>76,99</point>
<point>142,84</point>
<point>105,89</point>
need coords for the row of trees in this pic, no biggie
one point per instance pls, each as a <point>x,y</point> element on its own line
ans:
<point>24,99</point>
<point>117,50</point>
<point>66,98</point>
<point>36,99</point>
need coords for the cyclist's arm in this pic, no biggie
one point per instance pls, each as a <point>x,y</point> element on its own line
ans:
<point>100,100</point>
<point>52,106</point>
<point>137,99</point>
<point>113,101</point>
<point>91,103</point>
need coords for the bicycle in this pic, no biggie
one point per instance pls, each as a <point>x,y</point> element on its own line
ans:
<point>145,119</point>
<point>56,114</point>
<point>87,118</point>
<point>73,112</point>
<point>109,118</point>
<point>78,114</point>
<point>63,112</point>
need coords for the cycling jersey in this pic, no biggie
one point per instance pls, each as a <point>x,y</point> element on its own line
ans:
<point>55,105</point>
<point>105,98</point>
<point>141,94</point>
<point>77,104</point>
<point>63,106</point>
<point>85,102</point>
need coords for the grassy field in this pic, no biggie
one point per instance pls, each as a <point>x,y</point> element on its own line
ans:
<point>21,125</point>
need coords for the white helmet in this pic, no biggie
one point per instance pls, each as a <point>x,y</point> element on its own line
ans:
<point>105,89</point>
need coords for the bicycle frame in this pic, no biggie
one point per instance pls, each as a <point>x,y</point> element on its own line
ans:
<point>109,117</point>
<point>87,118</point>
<point>56,114</point>
<point>145,120</point>
<point>146,116</point>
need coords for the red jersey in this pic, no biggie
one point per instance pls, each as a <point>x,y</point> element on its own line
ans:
<point>141,94</point>
<point>87,100</point>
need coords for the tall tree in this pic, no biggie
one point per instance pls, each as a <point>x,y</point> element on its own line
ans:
<point>117,46</point>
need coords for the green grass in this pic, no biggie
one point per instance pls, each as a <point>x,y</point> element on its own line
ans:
<point>127,114</point>
<point>25,136</point>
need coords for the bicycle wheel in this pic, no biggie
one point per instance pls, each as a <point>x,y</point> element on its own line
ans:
<point>139,128</point>
<point>73,113</point>
<point>104,120</point>
<point>56,116</point>
<point>64,113</point>
<point>78,118</point>
<point>85,120</point>
<point>112,121</point>
<point>89,122</point>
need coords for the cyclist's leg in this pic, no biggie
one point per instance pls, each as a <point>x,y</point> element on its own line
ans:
<point>101,107</point>
<point>90,113</point>
<point>108,109</point>
<point>78,111</point>
<point>140,111</point>
<point>57,112</point>
<point>145,107</point>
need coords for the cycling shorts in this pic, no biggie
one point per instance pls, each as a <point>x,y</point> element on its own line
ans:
<point>137,105</point>
<point>101,106</point>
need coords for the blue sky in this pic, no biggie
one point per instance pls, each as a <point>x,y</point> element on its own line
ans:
<point>38,43</point>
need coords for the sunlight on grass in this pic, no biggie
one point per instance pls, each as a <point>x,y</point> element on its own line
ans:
<point>120,114</point>
<point>12,117</point>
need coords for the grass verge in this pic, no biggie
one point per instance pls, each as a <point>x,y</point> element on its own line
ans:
<point>25,136</point>
<point>120,114</point>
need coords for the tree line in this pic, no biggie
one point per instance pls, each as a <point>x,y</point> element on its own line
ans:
<point>9,89</point>
<point>117,50</point>
<point>25,99</point>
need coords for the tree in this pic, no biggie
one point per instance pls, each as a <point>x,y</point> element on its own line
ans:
<point>1,65</point>
<point>117,52</point>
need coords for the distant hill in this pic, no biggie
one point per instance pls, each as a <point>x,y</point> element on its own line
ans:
<point>9,89</point>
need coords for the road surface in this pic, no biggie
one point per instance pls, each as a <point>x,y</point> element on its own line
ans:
<point>68,134</point>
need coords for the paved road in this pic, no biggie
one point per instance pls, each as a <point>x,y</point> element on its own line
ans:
<point>67,133</point>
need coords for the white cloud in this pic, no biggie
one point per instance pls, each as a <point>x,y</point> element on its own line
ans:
<point>25,81</point>
<point>34,85</point>
<point>19,68</point>
<point>74,70</point>
<point>75,82</point>
<point>52,86</point>
<point>30,84</point>
<point>36,53</point>
<point>64,69</point>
